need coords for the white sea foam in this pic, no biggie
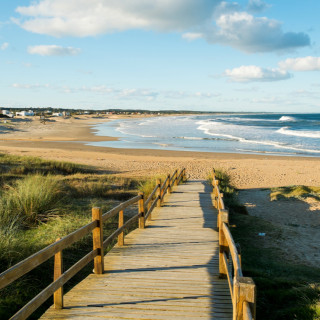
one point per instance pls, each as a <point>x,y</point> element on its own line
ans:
<point>301,133</point>
<point>219,133</point>
<point>287,119</point>
<point>190,138</point>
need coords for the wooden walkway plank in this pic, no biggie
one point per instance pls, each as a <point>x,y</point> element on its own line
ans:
<point>170,270</point>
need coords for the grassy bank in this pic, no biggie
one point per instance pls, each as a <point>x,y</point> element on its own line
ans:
<point>43,200</point>
<point>285,290</point>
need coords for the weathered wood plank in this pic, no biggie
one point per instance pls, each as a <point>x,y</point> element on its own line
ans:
<point>169,270</point>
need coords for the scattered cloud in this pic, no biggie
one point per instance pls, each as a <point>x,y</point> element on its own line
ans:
<point>184,94</point>
<point>192,36</point>
<point>4,46</point>
<point>301,64</point>
<point>138,93</point>
<point>217,21</point>
<point>53,50</point>
<point>256,6</point>
<point>30,86</point>
<point>251,34</point>
<point>120,93</point>
<point>83,18</point>
<point>27,64</point>
<point>255,73</point>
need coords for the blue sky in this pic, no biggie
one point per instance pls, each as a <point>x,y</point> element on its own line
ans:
<point>207,55</point>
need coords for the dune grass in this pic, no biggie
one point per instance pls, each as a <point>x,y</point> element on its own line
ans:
<point>285,290</point>
<point>30,200</point>
<point>298,192</point>
<point>42,200</point>
<point>21,165</point>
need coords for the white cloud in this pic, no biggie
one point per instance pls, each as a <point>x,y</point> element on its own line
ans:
<point>248,33</point>
<point>82,18</point>
<point>217,21</point>
<point>30,86</point>
<point>255,73</point>
<point>53,50</point>
<point>257,6</point>
<point>138,93</point>
<point>301,64</point>
<point>4,46</point>
<point>192,36</point>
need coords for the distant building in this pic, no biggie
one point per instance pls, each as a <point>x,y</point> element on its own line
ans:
<point>29,113</point>
<point>57,114</point>
<point>7,113</point>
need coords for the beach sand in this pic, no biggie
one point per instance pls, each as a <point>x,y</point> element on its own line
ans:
<point>63,139</point>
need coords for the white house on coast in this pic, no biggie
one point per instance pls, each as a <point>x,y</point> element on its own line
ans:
<point>29,113</point>
<point>7,113</point>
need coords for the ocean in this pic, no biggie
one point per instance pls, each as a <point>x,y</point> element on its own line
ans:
<point>274,134</point>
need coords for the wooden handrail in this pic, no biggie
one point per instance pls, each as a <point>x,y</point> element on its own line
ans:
<point>154,203</point>
<point>233,250</point>
<point>43,255</point>
<point>164,183</point>
<point>150,196</point>
<point>96,226</point>
<point>45,294</point>
<point>111,213</point>
<point>242,289</point>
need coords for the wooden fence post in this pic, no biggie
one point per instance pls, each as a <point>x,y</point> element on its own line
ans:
<point>141,211</point>
<point>169,184</point>
<point>244,289</point>
<point>223,243</point>
<point>57,272</point>
<point>97,235</point>
<point>159,192</point>
<point>120,224</point>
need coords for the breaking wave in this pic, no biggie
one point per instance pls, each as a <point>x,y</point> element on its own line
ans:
<point>296,133</point>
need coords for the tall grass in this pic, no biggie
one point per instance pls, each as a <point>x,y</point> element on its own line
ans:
<point>42,200</point>
<point>29,201</point>
<point>18,165</point>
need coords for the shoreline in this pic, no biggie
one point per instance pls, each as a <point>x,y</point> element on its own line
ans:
<point>64,140</point>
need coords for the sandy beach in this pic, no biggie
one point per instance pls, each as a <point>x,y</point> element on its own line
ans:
<point>64,139</point>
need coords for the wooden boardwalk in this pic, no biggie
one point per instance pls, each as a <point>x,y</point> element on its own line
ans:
<point>167,271</point>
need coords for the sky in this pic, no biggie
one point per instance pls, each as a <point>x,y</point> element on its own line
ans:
<point>203,55</point>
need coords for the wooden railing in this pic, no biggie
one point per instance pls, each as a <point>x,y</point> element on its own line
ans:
<point>145,209</point>
<point>242,289</point>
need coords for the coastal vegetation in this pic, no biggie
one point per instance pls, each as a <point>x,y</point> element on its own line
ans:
<point>286,290</point>
<point>42,200</point>
<point>297,192</point>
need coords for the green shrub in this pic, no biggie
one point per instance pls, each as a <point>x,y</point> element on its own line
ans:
<point>230,194</point>
<point>30,200</point>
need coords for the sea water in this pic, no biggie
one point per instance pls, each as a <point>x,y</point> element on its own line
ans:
<point>277,134</point>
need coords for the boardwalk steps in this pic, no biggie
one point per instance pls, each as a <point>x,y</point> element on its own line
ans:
<point>170,270</point>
